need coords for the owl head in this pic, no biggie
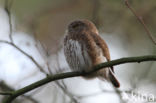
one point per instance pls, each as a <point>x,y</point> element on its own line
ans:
<point>82,25</point>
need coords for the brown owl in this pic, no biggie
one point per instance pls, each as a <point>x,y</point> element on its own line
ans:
<point>84,48</point>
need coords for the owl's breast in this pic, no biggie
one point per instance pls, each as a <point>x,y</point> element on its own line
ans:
<point>76,55</point>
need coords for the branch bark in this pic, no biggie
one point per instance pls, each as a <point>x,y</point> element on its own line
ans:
<point>5,93</point>
<point>55,77</point>
<point>6,88</point>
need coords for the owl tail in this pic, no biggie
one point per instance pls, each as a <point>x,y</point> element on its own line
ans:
<point>113,79</point>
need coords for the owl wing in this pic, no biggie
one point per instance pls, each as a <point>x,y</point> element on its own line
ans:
<point>76,54</point>
<point>102,44</point>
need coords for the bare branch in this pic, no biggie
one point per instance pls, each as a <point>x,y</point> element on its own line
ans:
<point>23,52</point>
<point>66,92</point>
<point>8,6</point>
<point>5,93</point>
<point>55,77</point>
<point>140,19</point>
<point>63,86</point>
<point>5,87</point>
<point>45,55</point>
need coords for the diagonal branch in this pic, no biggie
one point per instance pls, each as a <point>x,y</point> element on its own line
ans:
<point>45,55</point>
<point>24,53</point>
<point>55,77</point>
<point>141,21</point>
<point>5,87</point>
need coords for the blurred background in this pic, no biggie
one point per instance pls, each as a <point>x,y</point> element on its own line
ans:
<point>38,28</point>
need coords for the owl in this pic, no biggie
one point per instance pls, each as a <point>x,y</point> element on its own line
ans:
<point>84,48</point>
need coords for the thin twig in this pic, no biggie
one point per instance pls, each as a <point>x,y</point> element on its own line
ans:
<point>8,6</point>
<point>55,77</point>
<point>66,92</point>
<point>63,88</point>
<point>44,55</point>
<point>140,19</point>
<point>27,55</point>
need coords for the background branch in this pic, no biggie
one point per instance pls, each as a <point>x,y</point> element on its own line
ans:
<point>8,6</point>
<point>140,19</point>
<point>50,78</point>
<point>41,48</point>
<point>24,53</point>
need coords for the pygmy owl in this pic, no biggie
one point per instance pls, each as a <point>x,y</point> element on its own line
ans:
<point>84,48</point>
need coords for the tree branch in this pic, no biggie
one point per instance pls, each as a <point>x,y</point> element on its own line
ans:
<point>50,78</point>
<point>9,90</point>
<point>24,53</point>
<point>8,6</point>
<point>5,93</point>
<point>140,19</point>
